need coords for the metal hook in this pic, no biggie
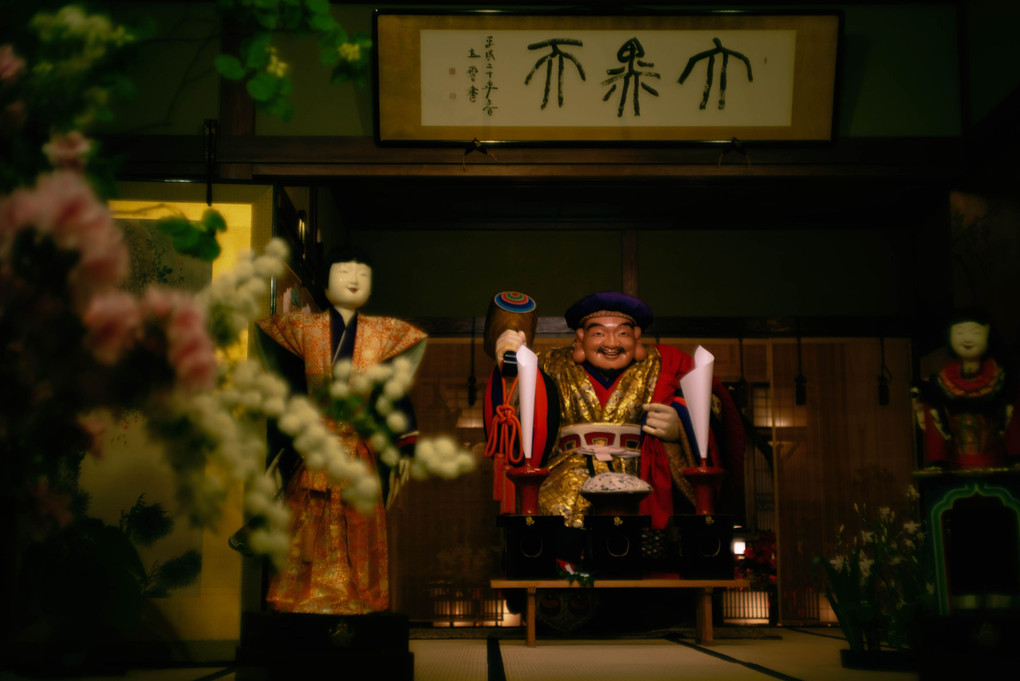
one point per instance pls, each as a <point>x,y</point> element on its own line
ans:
<point>475,146</point>
<point>734,145</point>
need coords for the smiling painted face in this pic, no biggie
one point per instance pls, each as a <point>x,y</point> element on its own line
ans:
<point>350,284</point>
<point>969,340</point>
<point>609,343</point>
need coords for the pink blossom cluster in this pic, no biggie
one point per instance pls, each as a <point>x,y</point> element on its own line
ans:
<point>117,322</point>
<point>11,65</point>
<point>68,151</point>
<point>191,350</point>
<point>63,206</point>
<point>12,116</point>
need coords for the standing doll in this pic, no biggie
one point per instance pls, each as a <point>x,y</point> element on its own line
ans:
<point>967,409</point>
<point>338,561</point>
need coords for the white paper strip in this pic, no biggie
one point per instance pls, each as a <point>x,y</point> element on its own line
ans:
<point>697,387</point>
<point>527,370</point>
<point>602,453</point>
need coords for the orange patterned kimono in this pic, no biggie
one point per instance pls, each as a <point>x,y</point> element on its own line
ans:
<point>338,561</point>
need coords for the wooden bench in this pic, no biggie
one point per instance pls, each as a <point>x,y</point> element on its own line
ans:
<point>703,633</point>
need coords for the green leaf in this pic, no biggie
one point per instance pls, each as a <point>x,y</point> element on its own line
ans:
<point>173,225</point>
<point>229,67</point>
<point>328,56</point>
<point>317,6</point>
<point>207,249</point>
<point>321,22</point>
<point>280,108</point>
<point>263,86</point>
<point>328,39</point>
<point>185,242</point>
<point>146,523</point>
<point>292,18</point>
<point>256,54</point>
<point>213,221</point>
<point>180,571</point>
<point>267,19</point>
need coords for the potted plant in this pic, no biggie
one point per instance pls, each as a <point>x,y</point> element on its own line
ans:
<point>877,585</point>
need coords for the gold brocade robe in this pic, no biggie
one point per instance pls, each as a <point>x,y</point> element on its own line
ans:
<point>338,561</point>
<point>579,404</point>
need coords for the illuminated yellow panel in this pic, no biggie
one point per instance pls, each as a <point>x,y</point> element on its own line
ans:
<point>236,239</point>
<point>238,217</point>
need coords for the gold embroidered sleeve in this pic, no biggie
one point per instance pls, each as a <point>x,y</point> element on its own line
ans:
<point>286,330</point>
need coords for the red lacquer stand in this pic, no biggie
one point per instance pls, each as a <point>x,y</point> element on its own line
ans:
<point>705,480</point>
<point>527,479</point>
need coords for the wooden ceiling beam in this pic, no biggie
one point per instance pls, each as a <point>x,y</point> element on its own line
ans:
<point>339,157</point>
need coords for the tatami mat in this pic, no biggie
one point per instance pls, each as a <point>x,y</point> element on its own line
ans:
<point>790,655</point>
<point>655,660</point>
<point>450,660</point>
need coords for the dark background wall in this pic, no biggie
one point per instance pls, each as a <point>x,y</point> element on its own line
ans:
<point>740,246</point>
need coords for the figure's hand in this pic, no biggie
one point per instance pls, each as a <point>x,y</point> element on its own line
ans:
<point>508,341</point>
<point>404,469</point>
<point>662,421</point>
<point>398,476</point>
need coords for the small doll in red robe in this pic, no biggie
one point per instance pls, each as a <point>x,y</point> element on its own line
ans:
<point>967,410</point>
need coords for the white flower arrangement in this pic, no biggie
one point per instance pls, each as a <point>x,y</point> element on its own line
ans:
<point>878,579</point>
<point>368,400</point>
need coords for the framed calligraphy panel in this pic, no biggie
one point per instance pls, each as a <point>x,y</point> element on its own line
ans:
<point>508,77</point>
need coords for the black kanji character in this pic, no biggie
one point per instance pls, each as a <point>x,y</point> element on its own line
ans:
<point>560,56</point>
<point>710,55</point>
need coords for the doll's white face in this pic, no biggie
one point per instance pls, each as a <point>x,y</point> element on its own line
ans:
<point>969,340</point>
<point>350,284</point>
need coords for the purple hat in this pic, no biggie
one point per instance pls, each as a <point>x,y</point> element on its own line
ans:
<point>609,303</point>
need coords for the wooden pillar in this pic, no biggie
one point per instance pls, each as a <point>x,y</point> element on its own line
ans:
<point>531,611</point>
<point>703,632</point>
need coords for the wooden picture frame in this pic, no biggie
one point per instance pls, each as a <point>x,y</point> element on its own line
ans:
<point>570,78</point>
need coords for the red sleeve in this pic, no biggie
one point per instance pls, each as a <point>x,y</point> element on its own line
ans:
<point>547,419</point>
<point>936,449</point>
<point>675,363</point>
<point>286,330</point>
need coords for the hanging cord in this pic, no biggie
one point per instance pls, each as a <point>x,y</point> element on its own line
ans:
<point>800,380</point>
<point>884,376</point>
<point>505,432</point>
<point>209,132</point>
